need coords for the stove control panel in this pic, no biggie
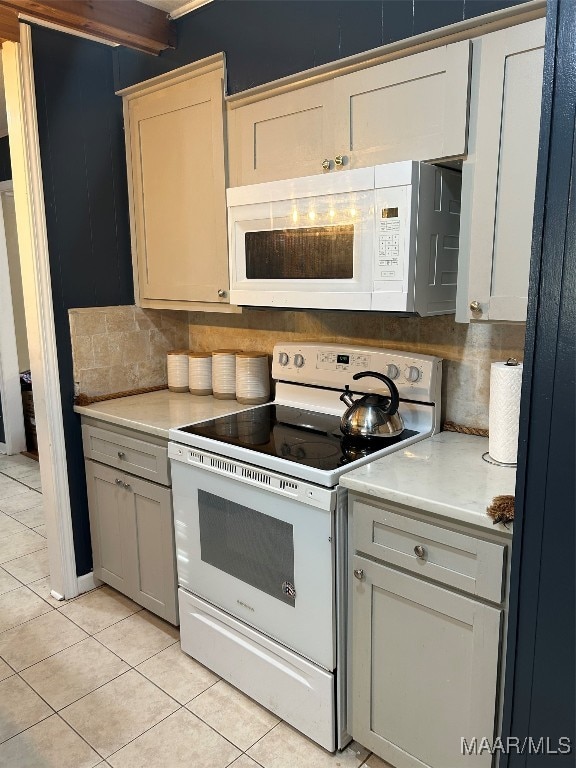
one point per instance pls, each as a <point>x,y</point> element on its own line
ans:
<point>417,377</point>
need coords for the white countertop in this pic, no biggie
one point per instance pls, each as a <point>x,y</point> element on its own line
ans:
<point>157,412</point>
<point>444,475</point>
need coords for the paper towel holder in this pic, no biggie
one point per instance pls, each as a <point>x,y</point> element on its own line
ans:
<point>489,460</point>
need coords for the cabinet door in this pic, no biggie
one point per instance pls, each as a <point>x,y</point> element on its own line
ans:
<point>499,175</point>
<point>110,526</point>
<point>151,547</point>
<point>281,137</point>
<point>175,146</point>
<point>424,669</point>
<point>413,108</point>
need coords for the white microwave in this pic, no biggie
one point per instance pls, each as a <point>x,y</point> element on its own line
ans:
<point>383,238</point>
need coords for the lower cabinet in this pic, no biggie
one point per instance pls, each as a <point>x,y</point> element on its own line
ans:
<point>133,537</point>
<point>424,669</point>
<point>424,658</point>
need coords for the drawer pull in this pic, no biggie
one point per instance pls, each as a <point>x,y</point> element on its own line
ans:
<point>127,486</point>
<point>118,481</point>
<point>359,573</point>
<point>420,552</point>
<point>121,455</point>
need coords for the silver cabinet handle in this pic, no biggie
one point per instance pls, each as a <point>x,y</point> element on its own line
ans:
<point>359,573</point>
<point>339,160</point>
<point>127,486</point>
<point>326,164</point>
<point>118,481</point>
<point>475,306</point>
<point>221,293</point>
<point>420,552</point>
<point>121,455</point>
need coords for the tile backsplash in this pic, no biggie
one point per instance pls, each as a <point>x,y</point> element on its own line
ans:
<point>467,350</point>
<point>123,348</point>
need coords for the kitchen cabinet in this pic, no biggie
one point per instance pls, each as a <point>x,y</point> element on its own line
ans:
<point>413,108</point>
<point>174,127</point>
<point>499,174</point>
<point>424,657</point>
<point>131,521</point>
<point>410,108</point>
<point>281,137</point>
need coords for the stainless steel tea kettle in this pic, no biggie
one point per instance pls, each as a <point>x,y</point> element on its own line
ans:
<point>372,415</point>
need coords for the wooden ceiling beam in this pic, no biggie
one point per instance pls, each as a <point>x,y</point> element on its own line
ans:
<point>126,22</point>
<point>9,25</point>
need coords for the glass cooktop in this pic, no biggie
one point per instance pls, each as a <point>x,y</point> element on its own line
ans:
<point>293,434</point>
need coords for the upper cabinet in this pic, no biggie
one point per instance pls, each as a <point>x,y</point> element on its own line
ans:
<point>281,137</point>
<point>410,108</point>
<point>499,174</point>
<point>177,187</point>
<point>413,108</point>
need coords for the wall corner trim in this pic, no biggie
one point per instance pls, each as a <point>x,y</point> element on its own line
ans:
<point>87,583</point>
<point>39,310</point>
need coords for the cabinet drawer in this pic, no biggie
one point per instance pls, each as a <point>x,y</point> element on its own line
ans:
<point>144,459</point>
<point>463,562</point>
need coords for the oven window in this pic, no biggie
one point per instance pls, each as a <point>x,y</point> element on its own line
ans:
<point>315,253</point>
<point>249,545</point>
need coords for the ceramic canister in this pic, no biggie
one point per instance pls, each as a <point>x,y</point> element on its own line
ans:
<point>177,365</point>
<point>224,374</point>
<point>200,373</point>
<point>252,378</point>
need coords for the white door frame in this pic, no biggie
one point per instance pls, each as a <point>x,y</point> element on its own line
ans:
<point>37,286</point>
<point>10,393</point>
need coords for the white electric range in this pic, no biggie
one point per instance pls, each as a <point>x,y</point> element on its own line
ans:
<point>261,528</point>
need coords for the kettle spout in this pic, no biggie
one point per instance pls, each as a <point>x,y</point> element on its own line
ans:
<point>346,397</point>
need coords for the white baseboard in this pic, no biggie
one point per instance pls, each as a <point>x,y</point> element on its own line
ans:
<point>87,582</point>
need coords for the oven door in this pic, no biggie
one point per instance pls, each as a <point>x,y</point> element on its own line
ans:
<point>303,242</point>
<point>262,556</point>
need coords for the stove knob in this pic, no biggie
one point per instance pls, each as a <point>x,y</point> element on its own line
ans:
<point>392,371</point>
<point>413,374</point>
<point>283,358</point>
<point>298,361</point>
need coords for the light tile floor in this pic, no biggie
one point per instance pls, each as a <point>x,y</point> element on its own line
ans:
<point>98,681</point>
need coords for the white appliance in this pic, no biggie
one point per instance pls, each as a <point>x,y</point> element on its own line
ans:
<point>261,528</point>
<point>382,238</point>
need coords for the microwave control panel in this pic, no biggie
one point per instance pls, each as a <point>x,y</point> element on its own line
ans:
<point>392,218</point>
<point>389,262</point>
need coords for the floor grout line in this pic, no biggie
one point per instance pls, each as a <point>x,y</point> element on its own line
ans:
<point>52,711</point>
<point>80,735</point>
<point>142,734</point>
<point>93,634</point>
<point>46,657</point>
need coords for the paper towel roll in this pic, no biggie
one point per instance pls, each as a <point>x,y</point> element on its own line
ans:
<point>504,411</point>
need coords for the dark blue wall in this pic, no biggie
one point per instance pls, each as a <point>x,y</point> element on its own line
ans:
<point>5,166</point>
<point>267,39</point>
<point>82,142</point>
<point>84,174</point>
<point>541,671</point>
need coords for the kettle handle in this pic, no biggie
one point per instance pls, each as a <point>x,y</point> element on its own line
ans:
<point>394,396</point>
